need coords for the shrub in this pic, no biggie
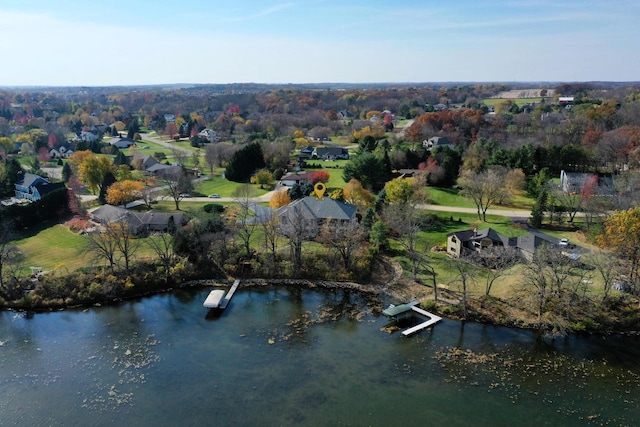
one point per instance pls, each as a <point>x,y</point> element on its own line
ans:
<point>213,207</point>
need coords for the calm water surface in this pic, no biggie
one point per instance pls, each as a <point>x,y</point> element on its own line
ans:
<point>281,357</point>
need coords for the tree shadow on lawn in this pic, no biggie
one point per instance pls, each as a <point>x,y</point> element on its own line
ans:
<point>36,229</point>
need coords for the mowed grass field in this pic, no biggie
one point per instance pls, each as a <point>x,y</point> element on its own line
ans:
<point>452,197</point>
<point>56,248</point>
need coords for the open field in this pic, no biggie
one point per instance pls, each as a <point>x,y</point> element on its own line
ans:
<point>56,248</point>
<point>519,101</point>
<point>222,186</point>
<point>452,197</point>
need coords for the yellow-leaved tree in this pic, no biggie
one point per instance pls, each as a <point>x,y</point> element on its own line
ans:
<point>91,168</point>
<point>399,190</point>
<point>622,236</point>
<point>123,192</point>
<point>353,192</point>
<point>279,199</point>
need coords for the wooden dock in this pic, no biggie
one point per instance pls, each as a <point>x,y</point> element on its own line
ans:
<point>433,319</point>
<point>229,295</point>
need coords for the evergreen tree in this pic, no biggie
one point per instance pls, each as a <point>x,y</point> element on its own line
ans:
<point>537,213</point>
<point>368,219</point>
<point>109,178</point>
<point>120,158</point>
<point>245,162</point>
<point>66,172</point>
<point>300,191</point>
<point>134,127</point>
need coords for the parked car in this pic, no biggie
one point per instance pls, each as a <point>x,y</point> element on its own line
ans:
<point>185,195</point>
<point>564,242</point>
<point>214,196</point>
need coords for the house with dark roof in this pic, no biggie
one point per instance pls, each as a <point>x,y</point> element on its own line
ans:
<point>162,170</point>
<point>122,143</point>
<point>461,242</point>
<point>138,223</point>
<point>34,187</point>
<point>467,241</point>
<point>437,141</point>
<point>331,153</point>
<point>306,152</point>
<point>141,161</point>
<point>313,213</point>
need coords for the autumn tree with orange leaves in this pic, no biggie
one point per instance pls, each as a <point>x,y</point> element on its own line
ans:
<point>123,192</point>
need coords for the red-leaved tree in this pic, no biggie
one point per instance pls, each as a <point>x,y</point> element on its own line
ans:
<point>319,176</point>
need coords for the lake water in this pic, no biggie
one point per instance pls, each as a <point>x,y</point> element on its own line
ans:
<point>281,357</point>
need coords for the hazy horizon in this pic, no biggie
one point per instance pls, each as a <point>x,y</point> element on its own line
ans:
<point>120,43</point>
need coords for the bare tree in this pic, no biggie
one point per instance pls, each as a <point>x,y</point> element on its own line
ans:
<point>497,260</point>
<point>550,276</point>
<point>270,227</point>
<point>149,195</point>
<point>163,246</point>
<point>125,241</point>
<point>177,184</point>
<point>8,251</point>
<point>298,226</point>
<point>466,278</point>
<point>344,237</point>
<point>608,267</point>
<point>113,244</point>
<point>246,222</point>
<point>103,247</point>
<point>485,188</point>
<point>179,156</point>
<point>571,203</point>
<point>405,219</point>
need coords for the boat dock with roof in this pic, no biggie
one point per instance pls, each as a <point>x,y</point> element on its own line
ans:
<point>403,311</point>
<point>217,298</point>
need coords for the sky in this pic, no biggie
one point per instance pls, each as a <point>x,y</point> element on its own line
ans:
<point>134,42</point>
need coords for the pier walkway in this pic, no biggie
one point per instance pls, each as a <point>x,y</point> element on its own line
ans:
<point>229,295</point>
<point>433,319</point>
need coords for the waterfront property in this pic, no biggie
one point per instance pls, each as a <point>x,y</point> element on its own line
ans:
<point>406,311</point>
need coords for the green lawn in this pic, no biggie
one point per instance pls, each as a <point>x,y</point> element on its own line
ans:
<point>221,186</point>
<point>148,148</point>
<point>54,247</point>
<point>451,197</point>
<point>448,197</point>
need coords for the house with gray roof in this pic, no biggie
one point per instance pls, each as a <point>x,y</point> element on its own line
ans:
<point>314,212</point>
<point>138,222</point>
<point>34,187</point>
<point>141,161</point>
<point>464,242</point>
<point>122,143</point>
<point>461,242</point>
